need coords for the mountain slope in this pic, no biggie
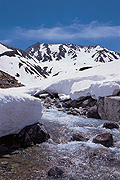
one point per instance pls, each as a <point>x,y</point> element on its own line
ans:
<point>19,64</point>
<point>41,61</point>
<point>57,58</point>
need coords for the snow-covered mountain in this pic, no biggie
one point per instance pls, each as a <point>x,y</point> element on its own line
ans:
<point>41,61</point>
<point>59,58</point>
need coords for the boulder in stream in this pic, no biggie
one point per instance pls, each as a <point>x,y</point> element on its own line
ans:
<point>55,172</point>
<point>104,139</point>
<point>111,125</point>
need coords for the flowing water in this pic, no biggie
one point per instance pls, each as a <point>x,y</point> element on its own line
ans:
<point>78,160</point>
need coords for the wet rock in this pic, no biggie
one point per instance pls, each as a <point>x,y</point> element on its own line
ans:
<point>67,104</point>
<point>32,134</point>
<point>93,113</point>
<point>104,139</point>
<point>28,136</point>
<point>85,103</point>
<point>71,178</point>
<point>6,156</point>
<point>78,110</point>
<point>3,150</point>
<point>111,125</point>
<point>55,172</point>
<point>89,102</point>
<point>78,137</point>
<point>58,105</point>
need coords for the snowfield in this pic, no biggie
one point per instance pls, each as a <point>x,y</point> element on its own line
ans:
<point>17,110</point>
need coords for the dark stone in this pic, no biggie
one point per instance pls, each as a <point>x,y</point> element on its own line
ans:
<point>71,178</point>
<point>104,139</point>
<point>58,105</point>
<point>3,150</point>
<point>111,125</point>
<point>32,134</point>
<point>55,172</point>
<point>116,92</point>
<point>85,103</point>
<point>28,136</point>
<point>78,137</point>
<point>67,104</point>
<point>93,113</point>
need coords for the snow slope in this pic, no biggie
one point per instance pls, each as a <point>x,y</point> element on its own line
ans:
<point>17,110</point>
<point>66,58</point>
<point>19,64</point>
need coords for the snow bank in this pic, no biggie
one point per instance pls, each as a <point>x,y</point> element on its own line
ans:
<point>98,81</point>
<point>17,110</point>
<point>92,88</point>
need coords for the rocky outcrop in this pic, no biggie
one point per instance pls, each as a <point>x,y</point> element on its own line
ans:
<point>8,81</point>
<point>109,108</point>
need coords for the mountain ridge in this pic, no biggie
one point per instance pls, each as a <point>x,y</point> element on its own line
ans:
<point>42,60</point>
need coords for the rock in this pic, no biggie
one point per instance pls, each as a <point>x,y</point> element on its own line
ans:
<point>78,110</point>
<point>116,92</point>
<point>85,103</point>
<point>93,113</point>
<point>8,81</point>
<point>32,134</point>
<point>88,102</point>
<point>71,178</point>
<point>28,136</point>
<point>3,150</point>
<point>110,125</point>
<point>7,156</point>
<point>67,104</point>
<point>78,137</point>
<point>48,100</point>
<point>55,172</point>
<point>100,105</point>
<point>109,108</point>
<point>104,139</point>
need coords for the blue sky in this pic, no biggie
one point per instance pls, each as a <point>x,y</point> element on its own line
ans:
<point>82,22</point>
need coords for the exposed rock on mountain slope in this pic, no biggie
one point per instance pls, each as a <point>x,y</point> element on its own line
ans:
<point>7,81</point>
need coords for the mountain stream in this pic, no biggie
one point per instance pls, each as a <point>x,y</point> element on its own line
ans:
<point>77,159</point>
